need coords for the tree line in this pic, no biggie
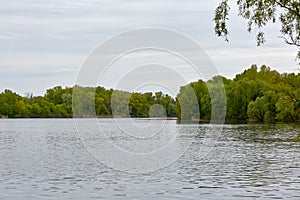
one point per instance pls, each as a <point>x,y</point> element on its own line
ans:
<point>58,103</point>
<point>255,95</point>
<point>262,95</point>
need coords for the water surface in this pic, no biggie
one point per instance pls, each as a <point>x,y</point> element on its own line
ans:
<point>45,159</point>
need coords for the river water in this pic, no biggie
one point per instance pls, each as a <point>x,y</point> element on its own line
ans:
<point>46,159</point>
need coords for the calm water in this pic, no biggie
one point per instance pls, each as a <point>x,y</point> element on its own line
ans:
<point>45,159</point>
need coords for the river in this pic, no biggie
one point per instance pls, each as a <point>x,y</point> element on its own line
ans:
<point>46,159</point>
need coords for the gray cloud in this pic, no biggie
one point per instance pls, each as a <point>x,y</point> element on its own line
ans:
<point>43,43</point>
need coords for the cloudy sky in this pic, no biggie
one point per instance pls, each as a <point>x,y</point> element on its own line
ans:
<point>44,43</point>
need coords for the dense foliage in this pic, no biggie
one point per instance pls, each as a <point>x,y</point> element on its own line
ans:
<point>57,102</point>
<point>255,95</point>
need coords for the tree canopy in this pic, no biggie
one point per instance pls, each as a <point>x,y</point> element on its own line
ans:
<point>259,13</point>
<point>257,94</point>
<point>262,95</point>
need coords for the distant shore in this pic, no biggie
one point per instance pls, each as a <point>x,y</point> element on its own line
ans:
<point>254,96</point>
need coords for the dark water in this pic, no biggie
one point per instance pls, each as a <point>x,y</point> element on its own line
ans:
<point>45,159</point>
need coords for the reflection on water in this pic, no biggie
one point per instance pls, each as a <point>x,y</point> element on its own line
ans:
<point>45,159</point>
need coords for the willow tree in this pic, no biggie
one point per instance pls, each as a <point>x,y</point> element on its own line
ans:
<point>261,12</point>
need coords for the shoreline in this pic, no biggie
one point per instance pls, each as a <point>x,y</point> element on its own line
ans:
<point>232,122</point>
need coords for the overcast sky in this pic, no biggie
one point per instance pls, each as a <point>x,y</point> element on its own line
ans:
<point>44,43</point>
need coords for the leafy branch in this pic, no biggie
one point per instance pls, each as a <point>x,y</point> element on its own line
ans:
<point>259,13</point>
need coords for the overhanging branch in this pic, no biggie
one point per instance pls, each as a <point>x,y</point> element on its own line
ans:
<point>290,42</point>
<point>296,12</point>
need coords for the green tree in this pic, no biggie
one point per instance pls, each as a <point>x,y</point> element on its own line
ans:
<point>240,94</point>
<point>187,104</point>
<point>257,109</point>
<point>100,106</point>
<point>55,94</point>
<point>83,101</point>
<point>9,103</point>
<point>138,105</point>
<point>169,104</point>
<point>218,99</point>
<point>261,12</point>
<point>120,104</point>
<point>35,110</point>
<point>203,97</point>
<point>287,109</point>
